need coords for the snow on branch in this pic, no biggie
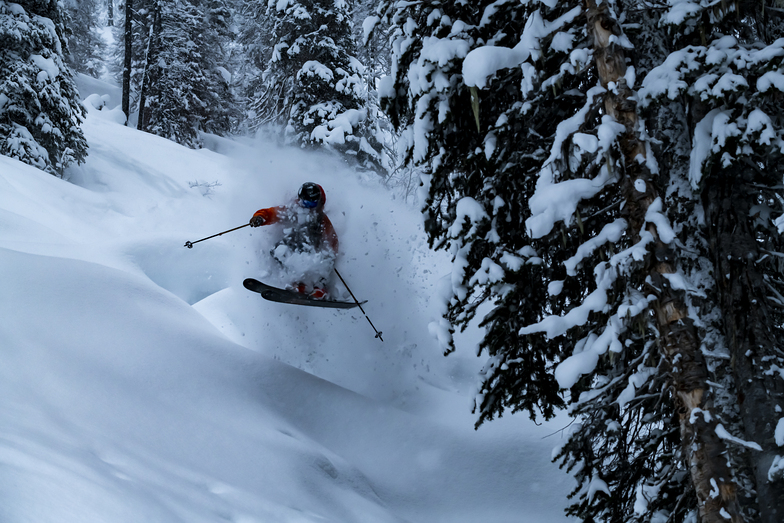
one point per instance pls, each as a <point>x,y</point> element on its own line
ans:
<point>316,68</point>
<point>556,325</point>
<point>335,130</point>
<point>557,201</point>
<point>610,233</point>
<point>484,62</point>
<point>725,435</point>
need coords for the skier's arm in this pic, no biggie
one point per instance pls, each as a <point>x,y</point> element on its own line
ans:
<point>330,236</point>
<point>265,216</point>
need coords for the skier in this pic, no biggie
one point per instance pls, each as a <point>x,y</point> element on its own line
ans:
<point>309,245</point>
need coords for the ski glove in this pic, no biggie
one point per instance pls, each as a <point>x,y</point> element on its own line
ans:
<point>265,216</point>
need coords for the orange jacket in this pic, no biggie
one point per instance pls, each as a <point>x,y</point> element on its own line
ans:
<point>275,214</point>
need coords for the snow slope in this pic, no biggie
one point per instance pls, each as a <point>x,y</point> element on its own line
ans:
<point>139,381</point>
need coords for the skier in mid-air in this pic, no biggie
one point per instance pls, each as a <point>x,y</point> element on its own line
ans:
<point>309,245</point>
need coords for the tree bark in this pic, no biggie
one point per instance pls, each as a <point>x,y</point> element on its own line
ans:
<point>703,450</point>
<point>126,75</point>
<point>743,300</point>
<point>149,57</point>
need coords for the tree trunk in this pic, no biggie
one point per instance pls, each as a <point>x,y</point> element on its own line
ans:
<point>702,449</point>
<point>126,75</point>
<point>743,299</point>
<point>149,56</point>
<point>110,10</point>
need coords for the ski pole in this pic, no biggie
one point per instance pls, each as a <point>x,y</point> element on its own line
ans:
<point>190,244</point>
<point>378,334</point>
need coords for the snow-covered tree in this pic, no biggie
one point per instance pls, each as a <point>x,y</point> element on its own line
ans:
<point>86,47</point>
<point>724,77</point>
<point>173,58</point>
<point>312,84</point>
<point>600,220</point>
<point>254,49</point>
<point>40,113</point>
<point>374,51</point>
<point>184,86</point>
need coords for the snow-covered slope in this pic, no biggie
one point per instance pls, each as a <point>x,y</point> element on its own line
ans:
<point>139,381</point>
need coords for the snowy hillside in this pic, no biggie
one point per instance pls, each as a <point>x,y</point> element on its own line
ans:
<point>139,381</point>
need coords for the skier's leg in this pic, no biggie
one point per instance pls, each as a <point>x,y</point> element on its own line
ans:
<point>289,279</point>
<point>326,267</point>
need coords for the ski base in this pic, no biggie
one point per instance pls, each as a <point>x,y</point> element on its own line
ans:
<point>283,296</point>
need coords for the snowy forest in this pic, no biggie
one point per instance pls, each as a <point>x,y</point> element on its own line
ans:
<point>606,178</point>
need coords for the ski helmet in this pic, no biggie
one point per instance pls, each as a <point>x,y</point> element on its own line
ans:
<point>311,195</point>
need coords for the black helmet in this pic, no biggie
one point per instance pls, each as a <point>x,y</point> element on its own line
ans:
<point>310,195</point>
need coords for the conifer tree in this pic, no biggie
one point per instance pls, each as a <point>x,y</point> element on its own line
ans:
<point>85,45</point>
<point>249,59</point>
<point>599,215</point>
<point>174,57</point>
<point>373,50</point>
<point>312,86</point>
<point>730,93</point>
<point>40,113</point>
<point>184,88</point>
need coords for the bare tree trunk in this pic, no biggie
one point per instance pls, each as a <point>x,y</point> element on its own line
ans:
<point>703,450</point>
<point>110,9</point>
<point>126,75</point>
<point>747,320</point>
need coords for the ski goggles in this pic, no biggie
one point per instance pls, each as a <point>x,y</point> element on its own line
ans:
<point>308,204</point>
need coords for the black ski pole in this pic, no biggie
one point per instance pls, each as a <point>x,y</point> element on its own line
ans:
<point>378,334</point>
<point>190,244</point>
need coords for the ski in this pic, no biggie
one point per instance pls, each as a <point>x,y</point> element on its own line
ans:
<point>283,296</point>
